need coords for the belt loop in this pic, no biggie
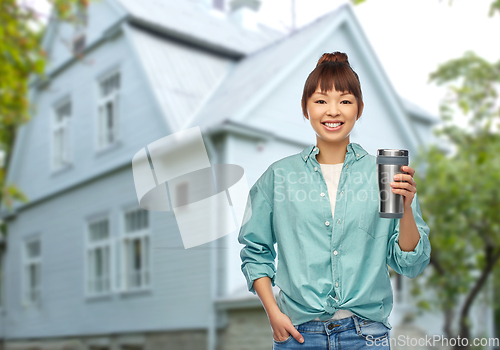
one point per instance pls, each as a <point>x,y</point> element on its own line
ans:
<point>355,318</point>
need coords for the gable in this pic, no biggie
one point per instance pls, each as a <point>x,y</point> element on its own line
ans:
<point>182,77</point>
<point>59,36</point>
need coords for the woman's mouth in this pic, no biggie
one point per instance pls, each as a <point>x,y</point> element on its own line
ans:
<point>332,126</point>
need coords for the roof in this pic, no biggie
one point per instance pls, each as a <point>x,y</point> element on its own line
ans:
<point>189,20</point>
<point>180,77</point>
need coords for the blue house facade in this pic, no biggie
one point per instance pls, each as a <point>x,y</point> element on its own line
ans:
<point>83,265</point>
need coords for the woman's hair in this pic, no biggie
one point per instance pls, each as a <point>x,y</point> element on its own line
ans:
<point>332,71</point>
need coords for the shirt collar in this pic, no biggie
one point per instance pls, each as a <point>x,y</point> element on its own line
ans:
<point>354,148</point>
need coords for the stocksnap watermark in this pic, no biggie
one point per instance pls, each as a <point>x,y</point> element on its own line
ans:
<point>435,340</point>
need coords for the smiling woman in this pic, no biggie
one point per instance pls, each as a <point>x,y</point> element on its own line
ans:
<point>333,248</point>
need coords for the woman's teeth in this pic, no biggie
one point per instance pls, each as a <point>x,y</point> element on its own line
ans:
<point>332,125</point>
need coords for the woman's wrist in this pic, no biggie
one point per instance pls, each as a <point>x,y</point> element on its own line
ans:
<point>264,290</point>
<point>273,310</point>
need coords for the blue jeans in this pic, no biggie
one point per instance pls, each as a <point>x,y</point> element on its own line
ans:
<point>349,333</point>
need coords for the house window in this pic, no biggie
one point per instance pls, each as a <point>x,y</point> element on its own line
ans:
<point>79,44</point>
<point>79,38</point>
<point>61,135</point>
<point>107,125</point>
<point>135,262</point>
<point>32,271</point>
<point>98,258</point>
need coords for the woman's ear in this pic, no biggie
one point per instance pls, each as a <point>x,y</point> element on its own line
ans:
<point>360,109</point>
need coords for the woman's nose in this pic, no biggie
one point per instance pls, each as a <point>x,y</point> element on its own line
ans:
<point>334,111</point>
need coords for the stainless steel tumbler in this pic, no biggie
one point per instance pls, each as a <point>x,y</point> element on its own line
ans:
<point>389,162</point>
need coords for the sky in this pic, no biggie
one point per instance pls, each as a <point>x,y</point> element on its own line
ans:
<point>409,37</point>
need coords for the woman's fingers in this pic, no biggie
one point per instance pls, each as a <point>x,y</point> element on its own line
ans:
<point>296,334</point>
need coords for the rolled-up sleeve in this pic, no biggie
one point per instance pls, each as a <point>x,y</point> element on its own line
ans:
<point>258,254</point>
<point>411,263</point>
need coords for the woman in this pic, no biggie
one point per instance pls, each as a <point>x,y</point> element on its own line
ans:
<point>321,208</point>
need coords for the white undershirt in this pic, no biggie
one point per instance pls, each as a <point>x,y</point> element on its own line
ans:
<point>331,173</point>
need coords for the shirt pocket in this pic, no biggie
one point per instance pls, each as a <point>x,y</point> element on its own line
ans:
<point>369,218</point>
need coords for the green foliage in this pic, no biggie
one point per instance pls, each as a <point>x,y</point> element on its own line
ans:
<point>494,7</point>
<point>21,56</point>
<point>459,192</point>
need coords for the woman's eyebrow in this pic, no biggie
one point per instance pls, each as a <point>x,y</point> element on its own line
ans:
<point>342,94</point>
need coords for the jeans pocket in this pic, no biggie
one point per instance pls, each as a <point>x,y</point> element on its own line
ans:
<point>283,341</point>
<point>373,331</point>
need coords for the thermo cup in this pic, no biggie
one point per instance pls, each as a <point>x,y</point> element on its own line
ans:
<point>389,163</point>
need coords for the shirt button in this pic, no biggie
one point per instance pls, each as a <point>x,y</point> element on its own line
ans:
<point>315,148</point>
<point>347,165</point>
<point>315,168</point>
<point>336,284</point>
<point>327,223</point>
<point>342,193</point>
<point>322,194</point>
<point>338,221</point>
<point>357,154</point>
<point>335,252</point>
<point>305,157</point>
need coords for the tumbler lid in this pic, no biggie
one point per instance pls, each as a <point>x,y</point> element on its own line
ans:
<point>392,152</point>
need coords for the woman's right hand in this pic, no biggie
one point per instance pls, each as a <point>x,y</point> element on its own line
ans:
<point>283,327</point>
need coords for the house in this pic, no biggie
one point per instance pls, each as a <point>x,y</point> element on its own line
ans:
<point>83,265</point>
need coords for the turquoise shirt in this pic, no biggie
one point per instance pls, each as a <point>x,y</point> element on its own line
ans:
<point>320,256</point>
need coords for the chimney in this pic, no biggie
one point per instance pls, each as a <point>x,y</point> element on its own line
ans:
<point>245,13</point>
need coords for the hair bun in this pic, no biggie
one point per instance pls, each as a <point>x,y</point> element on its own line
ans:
<point>333,57</point>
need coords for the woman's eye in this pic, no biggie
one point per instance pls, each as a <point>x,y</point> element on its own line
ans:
<point>320,101</point>
<point>347,101</point>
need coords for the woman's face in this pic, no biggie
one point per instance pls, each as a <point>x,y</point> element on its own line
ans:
<point>332,106</point>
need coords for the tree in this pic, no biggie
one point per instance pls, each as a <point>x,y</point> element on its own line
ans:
<point>22,56</point>
<point>459,194</point>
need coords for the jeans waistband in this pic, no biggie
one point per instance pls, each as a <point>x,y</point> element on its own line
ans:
<point>331,326</point>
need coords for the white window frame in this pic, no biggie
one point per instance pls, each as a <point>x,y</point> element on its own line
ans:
<point>27,261</point>
<point>90,248</point>
<point>101,141</point>
<point>144,235</point>
<point>61,158</point>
